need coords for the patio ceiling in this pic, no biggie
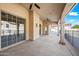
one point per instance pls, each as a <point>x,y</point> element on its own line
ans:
<point>52,11</point>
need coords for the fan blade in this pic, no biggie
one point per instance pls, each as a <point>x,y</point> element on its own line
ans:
<point>37,6</point>
<point>30,6</point>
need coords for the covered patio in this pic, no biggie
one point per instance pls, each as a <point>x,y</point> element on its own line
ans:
<point>31,35</point>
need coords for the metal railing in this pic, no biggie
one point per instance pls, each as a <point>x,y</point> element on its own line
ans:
<point>72,36</point>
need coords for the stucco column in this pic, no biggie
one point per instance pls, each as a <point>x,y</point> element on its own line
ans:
<point>58,28</point>
<point>31,25</point>
<point>62,32</point>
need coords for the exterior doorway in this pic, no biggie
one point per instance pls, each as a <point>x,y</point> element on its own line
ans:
<point>39,29</point>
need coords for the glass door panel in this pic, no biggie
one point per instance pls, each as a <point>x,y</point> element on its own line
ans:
<point>12,29</point>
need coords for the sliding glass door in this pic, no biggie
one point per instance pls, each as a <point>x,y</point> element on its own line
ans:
<point>20,29</point>
<point>12,29</point>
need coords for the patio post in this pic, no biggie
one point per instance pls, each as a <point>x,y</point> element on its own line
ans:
<point>62,32</point>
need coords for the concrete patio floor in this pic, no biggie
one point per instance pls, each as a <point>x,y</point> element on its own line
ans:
<point>43,46</point>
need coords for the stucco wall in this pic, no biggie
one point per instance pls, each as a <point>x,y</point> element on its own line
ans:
<point>41,26</point>
<point>45,27</point>
<point>36,25</point>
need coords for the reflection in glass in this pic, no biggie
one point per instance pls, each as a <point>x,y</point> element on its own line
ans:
<point>12,29</point>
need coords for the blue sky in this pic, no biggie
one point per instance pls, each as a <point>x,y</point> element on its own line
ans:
<point>73,16</point>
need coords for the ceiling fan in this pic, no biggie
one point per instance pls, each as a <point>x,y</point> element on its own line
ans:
<point>30,7</point>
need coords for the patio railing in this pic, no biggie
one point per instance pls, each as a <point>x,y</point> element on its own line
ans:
<point>72,37</point>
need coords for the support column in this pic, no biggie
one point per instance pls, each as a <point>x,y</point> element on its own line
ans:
<point>31,25</point>
<point>62,32</point>
<point>58,28</point>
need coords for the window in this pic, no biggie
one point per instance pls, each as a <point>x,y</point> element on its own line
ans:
<point>11,26</point>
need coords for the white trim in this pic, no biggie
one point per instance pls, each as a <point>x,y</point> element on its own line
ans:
<point>11,45</point>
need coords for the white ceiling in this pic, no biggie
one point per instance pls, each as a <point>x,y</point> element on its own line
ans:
<point>52,11</point>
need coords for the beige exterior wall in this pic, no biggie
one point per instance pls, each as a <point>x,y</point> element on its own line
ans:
<point>41,26</point>
<point>17,10</point>
<point>45,27</point>
<point>36,25</point>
